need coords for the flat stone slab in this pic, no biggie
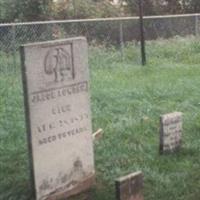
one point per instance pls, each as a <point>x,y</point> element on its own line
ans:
<point>130,187</point>
<point>170,132</point>
<point>57,104</point>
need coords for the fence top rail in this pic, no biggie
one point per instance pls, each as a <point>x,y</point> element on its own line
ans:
<point>97,20</point>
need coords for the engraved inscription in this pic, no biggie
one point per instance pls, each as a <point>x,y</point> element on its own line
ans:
<point>47,95</point>
<point>56,110</point>
<point>61,123</point>
<point>60,136</point>
<point>171,132</point>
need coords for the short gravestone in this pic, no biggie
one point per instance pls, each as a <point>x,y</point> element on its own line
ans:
<point>130,187</point>
<point>170,132</point>
<point>57,105</point>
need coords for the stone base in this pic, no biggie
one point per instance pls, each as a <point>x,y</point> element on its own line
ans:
<point>81,187</point>
<point>169,151</point>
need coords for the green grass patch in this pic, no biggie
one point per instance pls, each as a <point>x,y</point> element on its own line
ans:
<point>127,100</point>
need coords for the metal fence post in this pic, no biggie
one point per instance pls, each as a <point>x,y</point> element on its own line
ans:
<point>14,47</point>
<point>142,37</point>
<point>121,37</point>
<point>196,25</point>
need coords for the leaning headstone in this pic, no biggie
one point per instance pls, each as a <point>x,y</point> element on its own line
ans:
<point>130,187</point>
<point>170,132</point>
<point>57,105</point>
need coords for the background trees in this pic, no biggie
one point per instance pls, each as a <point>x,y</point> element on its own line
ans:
<point>83,9</point>
<point>34,10</point>
<point>24,10</point>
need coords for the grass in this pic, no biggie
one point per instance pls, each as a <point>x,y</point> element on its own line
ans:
<point>127,100</point>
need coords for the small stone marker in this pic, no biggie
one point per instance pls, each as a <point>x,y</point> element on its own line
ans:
<point>57,105</point>
<point>130,187</point>
<point>170,132</point>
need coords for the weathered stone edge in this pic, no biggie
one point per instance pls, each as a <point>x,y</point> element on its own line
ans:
<point>81,187</point>
<point>55,42</point>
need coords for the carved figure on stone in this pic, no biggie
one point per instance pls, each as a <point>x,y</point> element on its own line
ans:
<point>58,64</point>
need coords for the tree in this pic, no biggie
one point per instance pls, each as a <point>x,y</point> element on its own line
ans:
<point>156,7</point>
<point>172,7</point>
<point>132,7</point>
<point>34,10</point>
<point>24,10</point>
<point>80,9</point>
<point>191,6</point>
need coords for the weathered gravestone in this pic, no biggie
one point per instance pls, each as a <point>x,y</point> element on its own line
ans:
<point>130,187</point>
<point>170,132</point>
<point>57,104</point>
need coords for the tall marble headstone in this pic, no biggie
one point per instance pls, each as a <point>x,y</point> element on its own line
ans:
<point>57,104</point>
<point>170,132</point>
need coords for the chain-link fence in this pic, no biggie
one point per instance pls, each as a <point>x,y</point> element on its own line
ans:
<point>109,32</point>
